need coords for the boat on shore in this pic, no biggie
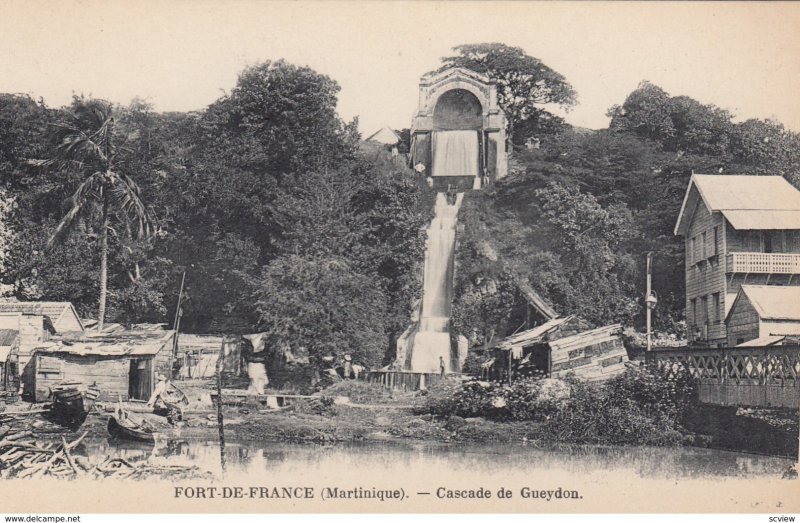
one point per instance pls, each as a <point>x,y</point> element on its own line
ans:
<point>124,425</point>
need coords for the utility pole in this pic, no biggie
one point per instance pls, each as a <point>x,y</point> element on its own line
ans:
<point>650,300</point>
<point>177,325</point>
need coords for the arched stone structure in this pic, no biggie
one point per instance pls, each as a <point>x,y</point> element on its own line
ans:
<point>460,99</point>
<point>458,109</point>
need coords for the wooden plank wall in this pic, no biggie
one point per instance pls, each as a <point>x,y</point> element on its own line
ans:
<point>705,273</point>
<point>110,374</point>
<point>743,323</point>
<point>592,358</point>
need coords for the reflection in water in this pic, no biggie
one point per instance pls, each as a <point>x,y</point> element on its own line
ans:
<point>416,459</point>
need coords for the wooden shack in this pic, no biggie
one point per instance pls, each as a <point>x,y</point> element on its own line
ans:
<point>123,366</point>
<point>9,361</point>
<point>555,349</point>
<point>197,356</point>
<point>594,355</point>
<point>761,314</point>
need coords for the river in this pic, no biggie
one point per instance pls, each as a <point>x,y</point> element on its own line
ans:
<point>418,458</point>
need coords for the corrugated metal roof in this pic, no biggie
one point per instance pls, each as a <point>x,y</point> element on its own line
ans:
<point>532,335</point>
<point>8,337</point>
<point>587,337</point>
<point>774,302</point>
<point>54,309</point>
<point>743,193</point>
<point>739,192</point>
<point>131,343</point>
<point>763,220</point>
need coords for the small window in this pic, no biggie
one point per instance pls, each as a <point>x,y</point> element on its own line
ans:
<point>693,319</point>
<point>715,246</point>
<point>704,308</point>
<point>717,311</point>
<point>691,249</point>
<point>705,251</point>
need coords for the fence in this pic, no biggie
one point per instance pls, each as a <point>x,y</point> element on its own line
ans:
<point>399,380</point>
<point>745,377</point>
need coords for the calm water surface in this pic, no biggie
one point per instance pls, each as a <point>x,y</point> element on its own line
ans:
<point>417,458</point>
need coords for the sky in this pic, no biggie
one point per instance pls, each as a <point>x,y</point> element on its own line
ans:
<point>182,55</point>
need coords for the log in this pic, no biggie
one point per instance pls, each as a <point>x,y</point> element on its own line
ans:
<point>19,435</point>
<point>66,455</point>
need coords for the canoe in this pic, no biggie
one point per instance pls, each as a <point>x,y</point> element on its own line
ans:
<point>122,425</point>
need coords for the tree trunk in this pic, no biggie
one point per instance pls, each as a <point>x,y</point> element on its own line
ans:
<point>101,314</point>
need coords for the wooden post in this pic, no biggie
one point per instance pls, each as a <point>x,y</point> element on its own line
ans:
<point>220,423</point>
<point>176,326</point>
<point>647,295</point>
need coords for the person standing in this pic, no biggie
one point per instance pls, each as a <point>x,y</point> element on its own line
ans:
<point>347,367</point>
<point>441,367</point>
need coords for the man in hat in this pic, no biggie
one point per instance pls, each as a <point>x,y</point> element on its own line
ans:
<point>159,390</point>
<point>347,368</point>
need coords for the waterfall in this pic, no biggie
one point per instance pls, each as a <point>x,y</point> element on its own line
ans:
<point>455,153</point>
<point>427,340</point>
<point>421,346</point>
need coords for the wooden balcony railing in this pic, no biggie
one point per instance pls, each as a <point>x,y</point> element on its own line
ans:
<point>762,262</point>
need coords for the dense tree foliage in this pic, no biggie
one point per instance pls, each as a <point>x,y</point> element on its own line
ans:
<point>576,217</point>
<point>524,84</point>
<point>264,198</point>
<point>284,221</point>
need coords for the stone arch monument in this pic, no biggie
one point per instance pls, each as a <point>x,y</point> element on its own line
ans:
<point>454,101</point>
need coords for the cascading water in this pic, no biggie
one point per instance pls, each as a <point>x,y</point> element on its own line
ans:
<point>427,343</point>
<point>455,153</point>
<point>432,339</point>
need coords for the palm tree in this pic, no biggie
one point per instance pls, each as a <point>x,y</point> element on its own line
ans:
<point>87,142</point>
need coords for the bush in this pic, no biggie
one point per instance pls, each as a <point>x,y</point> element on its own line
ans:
<point>468,400</point>
<point>320,406</point>
<point>653,392</point>
<point>638,407</point>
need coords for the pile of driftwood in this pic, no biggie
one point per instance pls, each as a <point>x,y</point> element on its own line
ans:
<point>23,456</point>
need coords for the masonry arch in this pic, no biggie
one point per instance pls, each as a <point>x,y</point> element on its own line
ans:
<point>457,109</point>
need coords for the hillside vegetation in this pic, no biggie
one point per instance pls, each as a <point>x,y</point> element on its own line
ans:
<point>285,222</point>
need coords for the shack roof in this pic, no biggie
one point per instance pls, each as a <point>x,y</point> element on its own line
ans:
<point>763,341</point>
<point>90,325</point>
<point>54,310</point>
<point>533,335</point>
<point>384,135</point>
<point>747,202</point>
<point>129,343</point>
<point>771,302</point>
<point>4,352</point>
<point>585,338</point>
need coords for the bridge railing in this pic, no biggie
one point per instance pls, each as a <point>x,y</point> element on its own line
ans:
<point>747,377</point>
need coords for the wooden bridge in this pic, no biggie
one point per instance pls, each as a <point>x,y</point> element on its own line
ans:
<point>744,377</point>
